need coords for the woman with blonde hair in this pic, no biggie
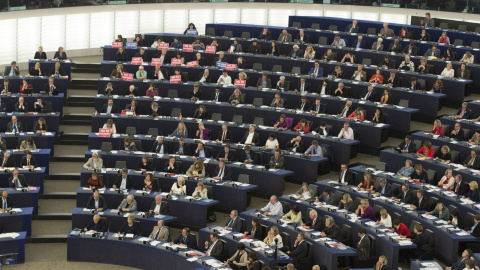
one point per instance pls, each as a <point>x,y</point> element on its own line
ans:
<point>406,170</point>
<point>273,234</point>
<point>447,180</point>
<point>200,191</point>
<point>236,97</point>
<point>473,193</point>
<point>309,53</point>
<point>367,183</point>
<point>385,219</point>
<point>437,128</point>
<point>196,169</point>
<point>328,55</point>
<point>345,202</point>
<point>448,71</point>
<point>181,131</point>
<point>179,187</point>
<point>468,58</point>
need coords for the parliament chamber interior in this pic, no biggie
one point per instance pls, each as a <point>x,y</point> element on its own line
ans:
<point>317,135</point>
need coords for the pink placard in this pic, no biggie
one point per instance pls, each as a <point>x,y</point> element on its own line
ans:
<point>163,45</point>
<point>192,64</point>
<point>156,61</point>
<point>240,83</point>
<point>175,79</point>
<point>211,49</point>
<point>117,44</point>
<point>127,76</point>
<point>104,132</point>
<point>136,61</point>
<point>187,47</point>
<point>230,66</point>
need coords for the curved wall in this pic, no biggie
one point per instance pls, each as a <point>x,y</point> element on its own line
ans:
<point>83,30</point>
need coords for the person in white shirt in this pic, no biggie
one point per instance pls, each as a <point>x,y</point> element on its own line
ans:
<point>274,238</point>
<point>273,208</point>
<point>346,132</point>
<point>205,75</point>
<point>179,187</point>
<point>448,71</point>
<point>224,79</point>
<point>158,41</point>
<point>385,219</point>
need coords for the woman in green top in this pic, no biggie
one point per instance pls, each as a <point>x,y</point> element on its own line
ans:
<point>441,212</point>
<point>294,215</point>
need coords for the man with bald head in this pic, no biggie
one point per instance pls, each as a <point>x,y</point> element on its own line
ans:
<point>352,28</point>
<point>6,203</point>
<point>296,145</point>
<point>160,232</point>
<point>21,105</point>
<point>14,126</point>
<point>159,207</point>
<point>273,208</point>
<point>347,110</point>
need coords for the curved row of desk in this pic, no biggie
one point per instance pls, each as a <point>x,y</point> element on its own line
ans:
<point>34,178</point>
<point>37,83</point>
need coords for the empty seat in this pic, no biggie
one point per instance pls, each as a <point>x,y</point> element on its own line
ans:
<point>431,176</point>
<point>258,101</point>
<point>462,27</point>
<point>477,29</point>
<point>228,33</point>
<point>245,35</point>
<point>217,116</point>
<point>475,44</point>
<point>210,31</point>
<point>152,131</point>
<point>237,119</point>
<point>258,121</point>
<point>422,83</point>
<point>131,131</point>
<point>257,66</point>
<point>380,166</point>
<point>458,42</point>
<point>332,28</point>
<point>322,41</point>
<point>172,93</point>
<point>366,62</point>
<point>138,144</point>
<point>403,103</point>
<point>296,70</point>
<point>209,191</point>
<point>296,24</point>
<point>315,26</point>
<point>455,155</point>
<point>176,112</point>
<point>443,25</point>
<point>446,129</point>
<point>120,164</point>
<point>371,31</point>
<point>243,178</point>
<point>277,68</point>
<point>106,146</point>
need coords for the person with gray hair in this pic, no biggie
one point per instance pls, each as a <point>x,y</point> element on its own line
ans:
<point>384,188</point>
<point>155,112</point>
<point>463,112</point>
<point>95,162</point>
<point>273,208</point>
<point>296,52</point>
<point>7,161</point>
<point>233,223</point>
<point>141,73</point>
<point>378,46</point>
<point>385,31</point>
<point>132,91</point>
<point>305,192</point>
<point>331,229</point>
<point>129,204</point>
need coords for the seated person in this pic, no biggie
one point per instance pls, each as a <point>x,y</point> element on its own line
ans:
<point>440,211</point>
<point>379,117</point>
<point>141,53</point>
<point>419,174</point>
<point>181,148</point>
<point>141,74</point>
<point>202,151</point>
<point>145,164</point>
<point>94,182</point>
<point>200,191</point>
<point>445,155</point>
<point>181,131</point>
<point>151,91</point>
<point>225,154</point>
<point>132,91</point>
<point>282,84</point>
<point>386,97</point>
<point>302,126</point>
<point>16,180</point>
<point>197,169</point>
<point>179,187</point>
<point>367,184</point>
<point>314,150</point>
<point>172,166</point>
<point>473,193</point>
<point>186,239</point>
<point>28,144</point>
<point>123,180</point>
<point>129,145</point>
<point>28,161</point>
<point>384,189</point>
<point>110,125</point>
<point>322,129</point>
<point>160,232</point>
<point>109,108</point>
<point>95,225</point>
<point>282,123</point>
<point>473,160</point>
<point>276,161</point>
<point>201,113</point>
<point>130,227</point>
<point>357,114</point>
<point>426,150</point>
<point>36,70</point>
<point>21,106</point>
<point>96,202</point>
<point>26,88</point>
<point>120,55</point>
<point>57,71</point>
<point>272,142</point>
<point>264,81</point>
<point>248,156</point>
<point>400,228</point>
<point>304,105</point>
<point>158,207</point>
<point>224,79</point>
<point>277,102</point>
<point>150,183</point>
<point>296,145</point>
<point>237,97</point>
<point>406,170</point>
<point>129,204</point>
<point>294,215</point>
<point>222,172</point>
<point>94,163</point>
<point>202,132</point>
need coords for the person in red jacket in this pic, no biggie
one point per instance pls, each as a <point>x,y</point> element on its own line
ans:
<point>437,128</point>
<point>302,126</point>
<point>426,150</point>
<point>400,228</point>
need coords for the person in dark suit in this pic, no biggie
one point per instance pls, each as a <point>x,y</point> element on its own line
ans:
<point>296,145</point>
<point>300,249</point>
<point>186,239</point>
<point>142,54</point>
<point>225,135</point>
<point>96,202</point>
<point>40,54</point>
<point>460,265</point>
<point>3,107</point>
<point>475,230</point>
<point>182,148</point>
<point>463,112</point>
<point>202,151</point>
<point>393,80</point>
<point>50,87</point>
<point>109,106</point>
<point>458,133</point>
<point>472,161</point>
<point>302,38</point>
<point>407,145</point>
<point>160,147</point>
<point>248,156</point>
<point>158,207</point>
<point>256,232</point>
<point>303,87</point>
<point>204,77</point>
<point>346,110</point>
<point>123,180</point>
<point>406,195</point>
<point>395,47</point>
<point>359,43</point>
<point>265,34</point>
<point>384,188</point>
<point>3,144</point>
<point>234,223</point>
<point>296,52</point>
<point>318,107</point>
<point>264,81</point>
<point>195,94</point>
<point>315,222</point>
<point>463,72</point>
<point>7,161</point>
<point>17,180</point>
<point>345,176</point>
<point>368,94</point>
<point>225,154</point>
<point>420,202</point>
<point>21,105</point>
<point>352,28</point>
<point>57,71</point>
<point>14,125</point>
<point>460,188</point>
<point>222,172</point>
<point>276,161</point>
<point>363,246</point>
<point>240,62</point>
<point>130,227</point>
<point>12,70</point>
<point>217,96</point>
<point>251,137</point>
<point>28,161</point>
<point>411,50</point>
<point>214,248</point>
<point>96,225</point>
<point>172,166</point>
<point>433,52</point>
<point>255,48</point>
<point>304,105</point>
<point>6,203</point>
<point>386,63</point>
<point>220,58</point>
<point>331,229</point>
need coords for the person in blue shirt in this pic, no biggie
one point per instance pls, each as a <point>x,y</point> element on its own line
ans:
<point>316,71</point>
<point>129,145</point>
<point>314,150</point>
<point>176,44</point>
<point>141,73</point>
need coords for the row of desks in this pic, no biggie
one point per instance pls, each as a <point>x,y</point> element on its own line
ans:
<point>47,65</point>
<point>42,141</point>
<point>37,83</point>
<point>11,100</point>
<point>427,103</point>
<point>304,169</point>
<point>28,120</point>
<point>14,246</point>
<point>21,199</point>
<point>34,178</point>
<point>21,221</point>
<point>222,191</point>
<point>341,150</point>
<point>268,182</point>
